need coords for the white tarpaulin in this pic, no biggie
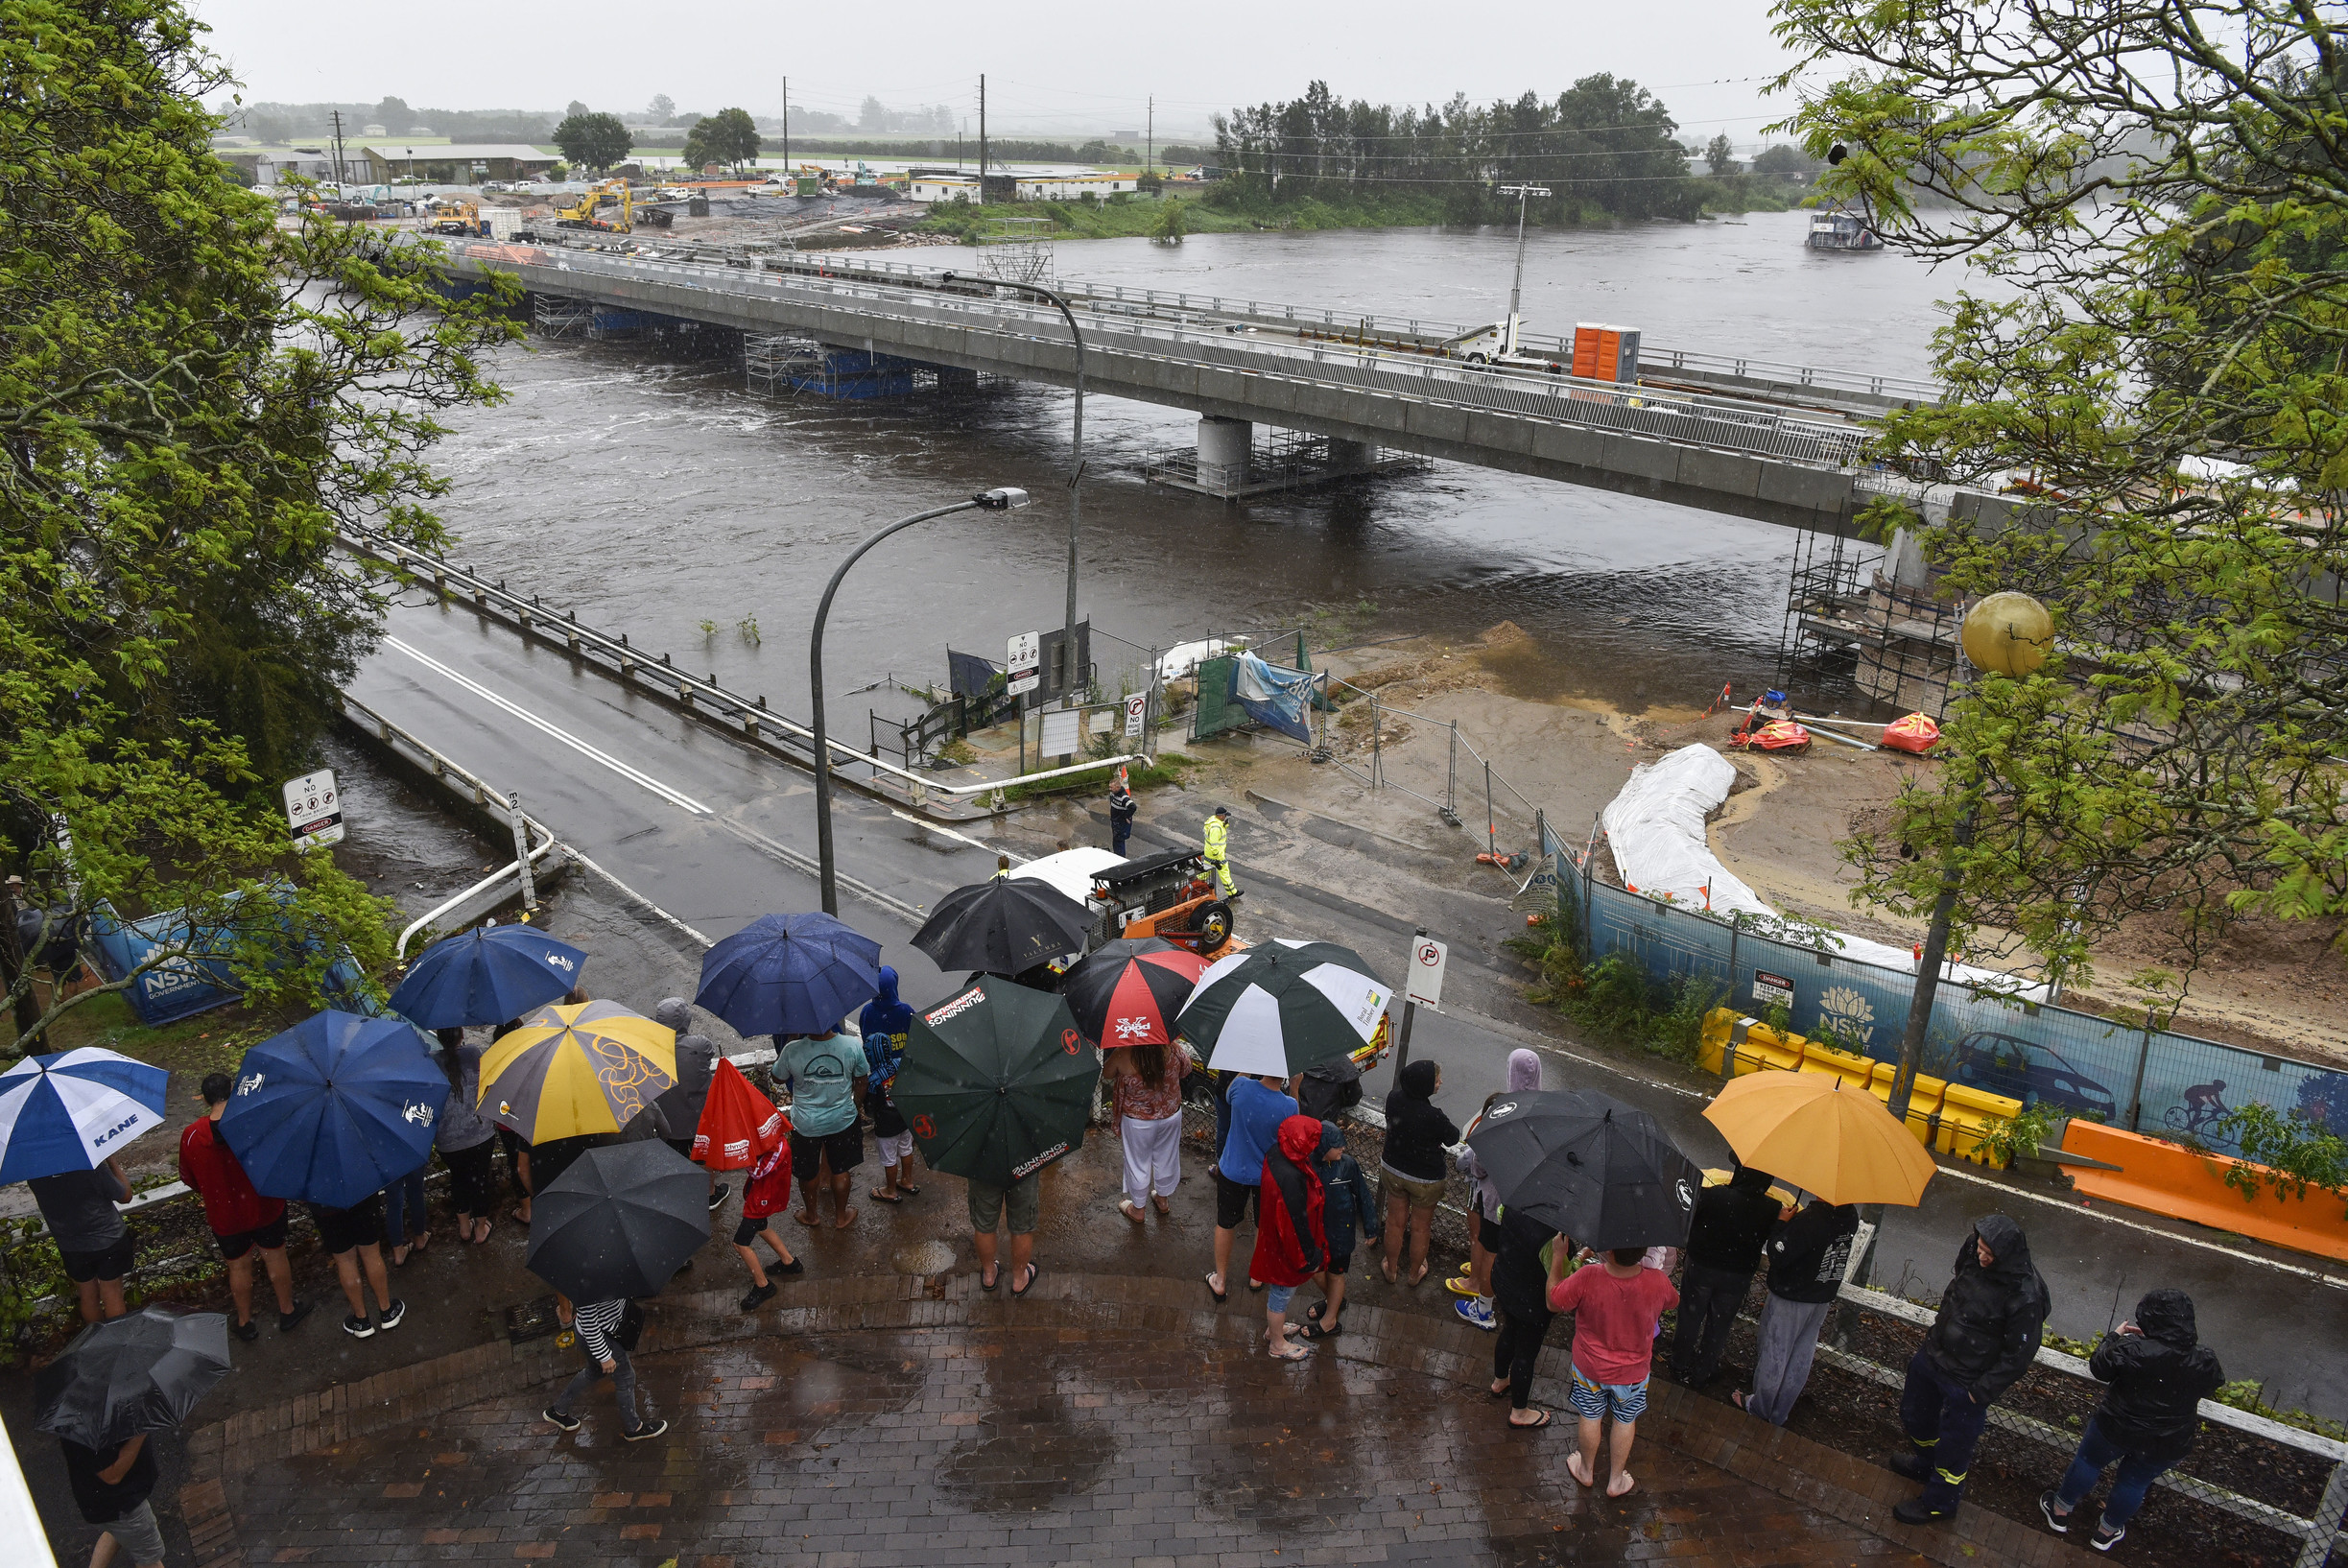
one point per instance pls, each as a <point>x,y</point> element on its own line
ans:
<point>1655,826</point>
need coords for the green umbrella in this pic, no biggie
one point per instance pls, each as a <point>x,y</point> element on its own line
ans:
<point>997,1081</point>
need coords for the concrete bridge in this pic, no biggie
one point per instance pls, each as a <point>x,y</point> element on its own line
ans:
<point>1778,443</point>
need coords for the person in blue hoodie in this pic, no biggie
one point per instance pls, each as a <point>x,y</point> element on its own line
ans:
<point>1347,1207</point>
<point>885,1022</point>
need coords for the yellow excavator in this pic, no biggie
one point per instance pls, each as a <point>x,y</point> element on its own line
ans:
<point>583,215</point>
<point>453,216</point>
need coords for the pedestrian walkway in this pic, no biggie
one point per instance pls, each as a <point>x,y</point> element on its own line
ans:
<point>1090,1424</point>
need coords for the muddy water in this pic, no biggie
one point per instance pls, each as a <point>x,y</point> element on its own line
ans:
<point>658,497</point>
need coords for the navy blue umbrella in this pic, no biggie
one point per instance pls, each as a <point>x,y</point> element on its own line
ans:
<point>486,976</point>
<point>334,1108</point>
<point>789,974</point>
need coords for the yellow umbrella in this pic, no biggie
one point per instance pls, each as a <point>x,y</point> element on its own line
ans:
<point>1806,1129</point>
<point>565,1071</point>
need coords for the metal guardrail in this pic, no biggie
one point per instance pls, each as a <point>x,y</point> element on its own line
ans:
<point>1682,418</point>
<point>659,671</point>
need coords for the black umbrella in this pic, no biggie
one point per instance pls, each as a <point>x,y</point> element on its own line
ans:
<point>620,1222</point>
<point>138,1373</point>
<point>1005,926</point>
<point>1592,1167</point>
<point>997,1081</point>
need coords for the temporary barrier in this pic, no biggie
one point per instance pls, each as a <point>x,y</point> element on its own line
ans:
<point>1754,1045</point>
<point>1923,1099</point>
<point>2169,1178</point>
<point>2129,1076</point>
<point>1965,1117</point>
<point>1856,1072</point>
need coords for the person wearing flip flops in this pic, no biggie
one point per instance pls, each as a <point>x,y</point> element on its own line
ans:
<point>1146,1114</point>
<point>466,1141</point>
<point>1259,1105</point>
<point>1529,1261</point>
<point>1475,1282</point>
<point>1412,1169</point>
<point>1291,1240</point>
<point>1616,1311</point>
<point>884,1024</point>
<point>1347,1206</point>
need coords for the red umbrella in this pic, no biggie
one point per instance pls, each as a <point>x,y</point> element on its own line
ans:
<point>739,1125</point>
<point>1129,991</point>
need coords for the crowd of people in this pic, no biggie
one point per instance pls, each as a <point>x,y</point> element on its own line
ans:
<point>1282,1160</point>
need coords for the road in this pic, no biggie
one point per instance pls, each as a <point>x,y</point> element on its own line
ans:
<point>718,833</point>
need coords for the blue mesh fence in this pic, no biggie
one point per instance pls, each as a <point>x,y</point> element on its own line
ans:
<point>2152,1082</point>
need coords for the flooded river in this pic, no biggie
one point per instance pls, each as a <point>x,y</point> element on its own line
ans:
<point>656,494</point>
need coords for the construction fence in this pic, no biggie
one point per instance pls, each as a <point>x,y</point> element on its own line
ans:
<point>2106,1070</point>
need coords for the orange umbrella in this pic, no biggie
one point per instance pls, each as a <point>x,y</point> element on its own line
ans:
<point>739,1125</point>
<point>1806,1129</point>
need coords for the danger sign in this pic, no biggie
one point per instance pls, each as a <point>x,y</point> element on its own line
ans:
<point>314,810</point>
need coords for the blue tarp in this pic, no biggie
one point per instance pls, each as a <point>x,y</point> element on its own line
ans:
<point>1273,696</point>
<point>181,988</point>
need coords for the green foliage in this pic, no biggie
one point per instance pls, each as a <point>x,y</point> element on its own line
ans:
<point>593,141</point>
<point>2251,1395</point>
<point>193,399</point>
<point>2008,1138</point>
<point>2298,1154</point>
<point>729,137</point>
<point>1172,222</point>
<point>2178,754</point>
<point>1613,997</point>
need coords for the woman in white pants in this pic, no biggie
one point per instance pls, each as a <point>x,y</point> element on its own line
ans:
<point>1146,1113</point>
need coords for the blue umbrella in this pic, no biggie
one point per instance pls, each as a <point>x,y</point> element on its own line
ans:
<point>335,1108</point>
<point>70,1110</point>
<point>789,974</point>
<point>486,976</point>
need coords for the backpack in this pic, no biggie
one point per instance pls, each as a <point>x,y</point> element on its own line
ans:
<point>1329,1088</point>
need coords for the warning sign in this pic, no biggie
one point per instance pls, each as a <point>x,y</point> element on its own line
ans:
<point>314,810</point>
<point>1771,990</point>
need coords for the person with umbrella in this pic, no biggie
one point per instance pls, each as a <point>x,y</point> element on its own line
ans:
<point>62,1118</point>
<point>243,1222</point>
<point>599,1327</point>
<point>1725,1238</point>
<point>825,1076</point>
<point>1808,1256</point>
<point>1124,996</point>
<point>115,1384</point>
<point>92,1240</point>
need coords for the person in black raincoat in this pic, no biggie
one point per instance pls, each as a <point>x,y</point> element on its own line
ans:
<point>2159,1373</point>
<point>1983,1340</point>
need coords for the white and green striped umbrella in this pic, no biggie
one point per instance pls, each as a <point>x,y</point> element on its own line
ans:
<point>1282,1007</point>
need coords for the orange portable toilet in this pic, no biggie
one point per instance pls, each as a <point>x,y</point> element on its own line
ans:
<point>1605,353</point>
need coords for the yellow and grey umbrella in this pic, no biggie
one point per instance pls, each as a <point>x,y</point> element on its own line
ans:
<point>566,1071</point>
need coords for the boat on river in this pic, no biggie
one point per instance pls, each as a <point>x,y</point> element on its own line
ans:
<point>1841,230</point>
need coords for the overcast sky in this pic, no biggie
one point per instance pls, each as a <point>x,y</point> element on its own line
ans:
<point>1051,65</point>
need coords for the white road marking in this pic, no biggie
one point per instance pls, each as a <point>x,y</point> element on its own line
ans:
<point>675,797</point>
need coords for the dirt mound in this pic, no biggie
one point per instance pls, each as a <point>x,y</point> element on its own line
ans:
<point>1507,632</point>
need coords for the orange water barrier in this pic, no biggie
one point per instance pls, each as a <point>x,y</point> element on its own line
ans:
<point>2168,1179</point>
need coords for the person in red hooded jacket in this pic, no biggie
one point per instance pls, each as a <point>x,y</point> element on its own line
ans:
<point>1291,1245</point>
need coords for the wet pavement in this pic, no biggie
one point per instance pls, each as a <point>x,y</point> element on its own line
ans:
<point>1011,1445</point>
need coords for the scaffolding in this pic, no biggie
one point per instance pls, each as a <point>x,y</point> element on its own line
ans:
<point>1817,650</point>
<point>559,316</point>
<point>776,365</point>
<point>1909,661</point>
<point>1853,631</point>
<point>1286,460</point>
<point>1016,249</point>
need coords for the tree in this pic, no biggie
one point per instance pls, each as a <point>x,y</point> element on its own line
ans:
<point>394,115</point>
<point>729,136</point>
<point>193,402</point>
<point>575,110</point>
<point>872,115</point>
<point>1721,156</point>
<point>663,109</point>
<point>1785,162</point>
<point>2168,207</point>
<point>593,141</point>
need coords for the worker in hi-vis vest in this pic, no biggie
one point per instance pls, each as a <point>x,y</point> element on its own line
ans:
<point>1218,852</point>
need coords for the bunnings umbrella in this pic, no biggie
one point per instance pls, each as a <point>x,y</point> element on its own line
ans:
<point>1127,992</point>
<point>334,1108</point>
<point>70,1110</point>
<point>739,1125</point>
<point>1282,1007</point>
<point>997,1081</point>
<point>1006,926</point>
<point>486,976</point>
<point>620,1222</point>
<point>1808,1130</point>
<point>567,1070</point>
<point>789,974</point>
<point>1592,1167</point>
<point>138,1373</point>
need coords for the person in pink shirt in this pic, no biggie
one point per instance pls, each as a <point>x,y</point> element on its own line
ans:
<point>1615,1308</point>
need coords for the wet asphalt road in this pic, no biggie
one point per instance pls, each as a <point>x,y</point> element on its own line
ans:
<point>716,833</point>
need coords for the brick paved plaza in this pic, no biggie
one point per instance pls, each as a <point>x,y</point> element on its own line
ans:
<point>896,1420</point>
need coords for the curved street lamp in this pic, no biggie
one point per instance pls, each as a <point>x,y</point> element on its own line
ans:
<point>1000,499</point>
<point>1075,509</point>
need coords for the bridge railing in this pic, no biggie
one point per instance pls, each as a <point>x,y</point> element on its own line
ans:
<point>1728,424</point>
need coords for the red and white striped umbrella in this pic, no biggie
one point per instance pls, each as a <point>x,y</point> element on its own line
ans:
<point>1129,991</point>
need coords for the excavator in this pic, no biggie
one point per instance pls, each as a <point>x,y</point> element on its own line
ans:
<point>583,215</point>
<point>455,217</point>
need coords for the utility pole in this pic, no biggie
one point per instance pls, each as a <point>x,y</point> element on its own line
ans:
<point>786,129</point>
<point>1152,135</point>
<point>981,138</point>
<point>1524,195</point>
<point>338,152</point>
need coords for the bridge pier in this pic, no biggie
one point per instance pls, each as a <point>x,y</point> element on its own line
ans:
<point>1223,446</point>
<point>954,379</point>
<point>1352,457</point>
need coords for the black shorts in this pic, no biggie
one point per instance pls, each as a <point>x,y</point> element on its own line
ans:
<point>845,1148</point>
<point>339,1230</point>
<point>1233,1199</point>
<point>1341,1263</point>
<point>268,1237</point>
<point>106,1263</point>
<point>751,1228</point>
<point>1487,1232</point>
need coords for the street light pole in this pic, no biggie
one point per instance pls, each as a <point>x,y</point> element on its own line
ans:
<point>1003,499</point>
<point>1076,507</point>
